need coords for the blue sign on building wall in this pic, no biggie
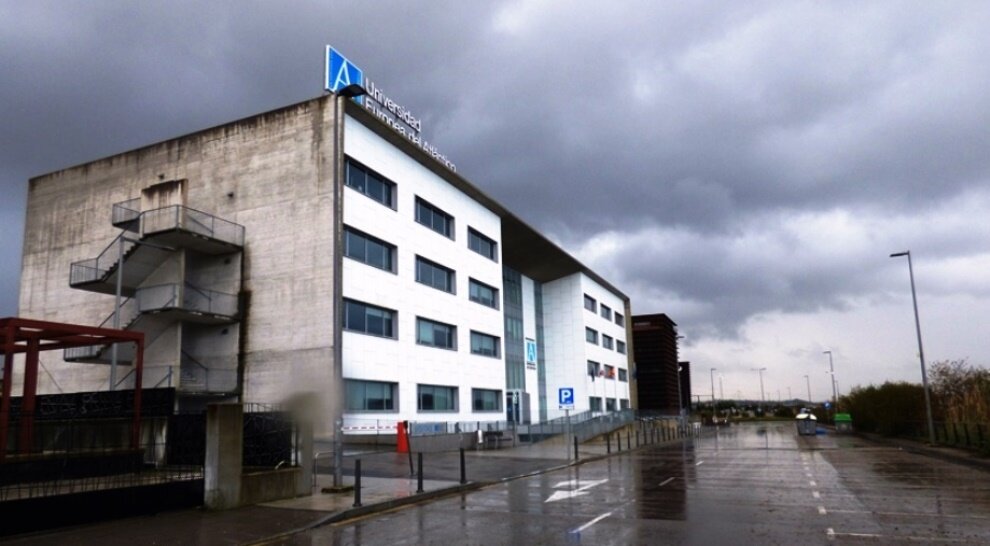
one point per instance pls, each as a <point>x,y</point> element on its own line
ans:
<point>341,72</point>
<point>531,353</point>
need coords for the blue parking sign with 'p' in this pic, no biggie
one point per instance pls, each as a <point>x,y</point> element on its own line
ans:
<point>566,397</point>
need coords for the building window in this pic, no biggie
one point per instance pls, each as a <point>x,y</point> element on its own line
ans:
<point>368,319</point>
<point>479,292</point>
<point>482,245</point>
<point>624,404</point>
<point>436,398</point>
<point>370,183</point>
<point>591,335</point>
<point>486,400</point>
<point>434,218</point>
<point>484,344</point>
<point>370,250</point>
<point>434,274</point>
<point>370,395</point>
<point>436,334</point>
<point>594,369</point>
<point>609,372</point>
<point>621,347</point>
<point>619,319</point>
<point>606,312</point>
<point>590,304</point>
<point>623,375</point>
<point>610,404</point>
<point>595,403</point>
<point>607,341</point>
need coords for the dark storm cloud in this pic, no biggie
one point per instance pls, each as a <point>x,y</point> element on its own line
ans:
<point>694,133</point>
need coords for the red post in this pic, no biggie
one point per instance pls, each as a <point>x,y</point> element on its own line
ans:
<point>402,438</point>
<point>26,441</point>
<point>8,379</point>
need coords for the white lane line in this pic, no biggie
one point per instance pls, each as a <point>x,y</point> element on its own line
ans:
<point>808,474</point>
<point>665,482</point>
<point>816,494</point>
<point>590,523</point>
<point>812,483</point>
<point>699,463</point>
<point>830,533</point>
<point>821,510</point>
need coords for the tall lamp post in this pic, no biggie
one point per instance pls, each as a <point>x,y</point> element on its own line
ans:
<point>921,351</point>
<point>680,395</point>
<point>763,398</point>
<point>835,394</point>
<point>711,373</point>
<point>808,381</point>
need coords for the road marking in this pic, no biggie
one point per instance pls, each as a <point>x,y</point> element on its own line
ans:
<point>808,474</point>
<point>816,494</point>
<point>665,482</point>
<point>821,510</point>
<point>812,483</point>
<point>830,533</point>
<point>699,463</point>
<point>590,523</point>
<point>583,486</point>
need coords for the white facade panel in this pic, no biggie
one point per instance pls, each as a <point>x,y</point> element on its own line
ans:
<point>402,360</point>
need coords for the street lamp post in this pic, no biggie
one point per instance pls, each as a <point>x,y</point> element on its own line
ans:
<point>835,394</point>
<point>763,398</point>
<point>680,395</point>
<point>808,381</point>
<point>921,351</point>
<point>711,373</point>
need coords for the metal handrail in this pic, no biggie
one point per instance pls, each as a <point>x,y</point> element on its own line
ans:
<point>99,267</point>
<point>126,211</point>
<point>180,217</point>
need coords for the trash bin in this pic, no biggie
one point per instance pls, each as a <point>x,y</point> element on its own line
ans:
<point>843,423</point>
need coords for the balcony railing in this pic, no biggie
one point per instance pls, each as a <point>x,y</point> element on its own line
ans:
<point>192,299</point>
<point>193,221</point>
<point>126,211</point>
<point>97,268</point>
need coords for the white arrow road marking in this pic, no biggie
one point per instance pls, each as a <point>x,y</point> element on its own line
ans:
<point>582,487</point>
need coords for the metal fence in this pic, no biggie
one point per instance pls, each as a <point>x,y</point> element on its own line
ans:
<point>955,434</point>
<point>193,221</point>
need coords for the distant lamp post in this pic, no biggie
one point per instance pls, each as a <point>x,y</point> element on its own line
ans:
<point>808,381</point>
<point>711,373</point>
<point>835,394</point>
<point>763,398</point>
<point>680,395</point>
<point>921,351</point>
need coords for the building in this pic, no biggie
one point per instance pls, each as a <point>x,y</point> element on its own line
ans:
<point>659,383</point>
<point>315,250</point>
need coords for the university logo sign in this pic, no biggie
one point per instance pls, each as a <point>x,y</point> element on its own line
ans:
<point>341,72</point>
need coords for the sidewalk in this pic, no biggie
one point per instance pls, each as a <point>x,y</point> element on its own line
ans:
<point>386,483</point>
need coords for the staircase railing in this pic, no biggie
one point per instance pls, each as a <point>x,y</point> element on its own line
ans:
<point>128,314</point>
<point>99,267</point>
<point>191,220</point>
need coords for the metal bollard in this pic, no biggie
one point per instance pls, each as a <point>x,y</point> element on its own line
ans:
<point>618,439</point>
<point>419,474</point>
<point>575,449</point>
<point>628,440</point>
<point>608,443</point>
<point>357,483</point>
<point>463,468</point>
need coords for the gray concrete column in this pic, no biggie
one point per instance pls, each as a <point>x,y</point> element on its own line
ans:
<point>224,452</point>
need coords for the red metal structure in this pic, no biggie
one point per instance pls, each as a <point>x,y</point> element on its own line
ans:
<point>33,336</point>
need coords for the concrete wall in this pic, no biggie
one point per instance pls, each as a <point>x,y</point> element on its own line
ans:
<point>271,173</point>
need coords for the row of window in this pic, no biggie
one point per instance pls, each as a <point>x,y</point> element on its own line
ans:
<point>381,189</point>
<point>369,319</point>
<point>595,369</point>
<point>591,304</point>
<point>595,403</point>
<point>377,253</point>
<point>591,336</point>
<point>384,396</point>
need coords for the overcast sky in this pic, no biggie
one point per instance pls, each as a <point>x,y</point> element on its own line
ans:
<point>744,167</point>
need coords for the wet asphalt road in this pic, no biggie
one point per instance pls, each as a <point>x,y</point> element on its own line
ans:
<point>749,484</point>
